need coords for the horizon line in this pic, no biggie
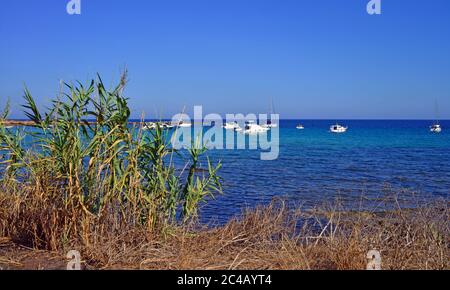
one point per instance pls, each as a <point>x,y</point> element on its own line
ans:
<point>283,119</point>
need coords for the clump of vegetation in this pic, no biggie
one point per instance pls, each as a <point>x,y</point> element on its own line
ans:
<point>83,170</point>
<point>269,237</point>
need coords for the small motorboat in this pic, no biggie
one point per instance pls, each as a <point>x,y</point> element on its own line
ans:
<point>231,126</point>
<point>166,125</point>
<point>252,128</point>
<point>338,129</point>
<point>436,128</point>
<point>149,126</point>
<point>300,127</point>
<point>182,124</point>
<point>269,125</point>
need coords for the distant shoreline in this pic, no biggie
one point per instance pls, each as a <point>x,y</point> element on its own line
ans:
<point>31,123</point>
<point>17,123</point>
<point>27,123</point>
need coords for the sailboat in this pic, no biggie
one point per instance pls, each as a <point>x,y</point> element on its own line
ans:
<point>269,121</point>
<point>182,123</point>
<point>436,127</point>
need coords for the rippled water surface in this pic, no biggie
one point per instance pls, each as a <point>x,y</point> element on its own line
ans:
<point>374,158</point>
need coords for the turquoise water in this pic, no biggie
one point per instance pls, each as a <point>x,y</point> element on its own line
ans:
<point>373,159</point>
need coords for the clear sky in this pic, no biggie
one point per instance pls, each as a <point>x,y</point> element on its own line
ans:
<point>315,58</point>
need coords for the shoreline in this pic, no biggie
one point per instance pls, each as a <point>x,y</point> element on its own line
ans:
<point>17,123</point>
<point>25,123</point>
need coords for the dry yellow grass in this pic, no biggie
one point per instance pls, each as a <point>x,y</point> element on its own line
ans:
<point>271,237</point>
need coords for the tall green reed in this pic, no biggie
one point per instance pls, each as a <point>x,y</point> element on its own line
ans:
<point>84,153</point>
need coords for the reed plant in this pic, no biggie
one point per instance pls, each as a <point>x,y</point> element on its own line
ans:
<point>84,168</point>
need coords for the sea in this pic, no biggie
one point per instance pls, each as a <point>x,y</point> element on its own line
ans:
<point>374,160</point>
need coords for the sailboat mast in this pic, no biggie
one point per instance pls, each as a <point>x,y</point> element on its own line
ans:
<point>436,111</point>
<point>272,108</point>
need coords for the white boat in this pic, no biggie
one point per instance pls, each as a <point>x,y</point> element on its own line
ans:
<point>152,126</point>
<point>167,125</point>
<point>182,124</point>
<point>269,125</point>
<point>149,126</point>
<point>300,127</point>
<point>338,129</point>
<point>231,126</point>
<point>436,128</point>
<point>252,128</point>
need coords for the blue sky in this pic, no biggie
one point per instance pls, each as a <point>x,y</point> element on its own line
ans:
<point>315,58</point>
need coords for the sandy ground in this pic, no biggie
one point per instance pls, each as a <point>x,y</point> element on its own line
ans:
<point>16,257</point>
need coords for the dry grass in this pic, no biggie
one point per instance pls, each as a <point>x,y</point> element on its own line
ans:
<point>271,237</point>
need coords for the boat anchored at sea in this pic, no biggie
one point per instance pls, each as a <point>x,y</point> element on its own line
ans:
<point>300,127</point>
<point>436,127</point>
<point>252,128</point>
<point>269,123</point>
<point>232,126</point>
<point>149,126</point>
<point>338,129</point>
<point>153,125</point>
<point>183,124</point>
